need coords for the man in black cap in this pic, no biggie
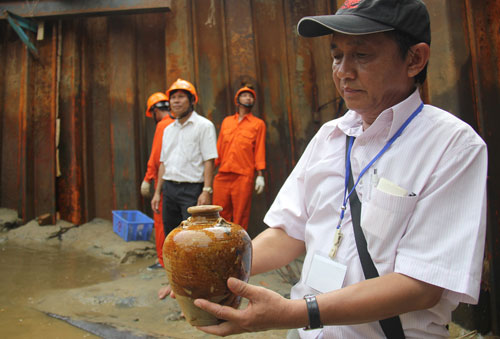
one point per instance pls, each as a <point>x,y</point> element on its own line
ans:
<point>388,202</point>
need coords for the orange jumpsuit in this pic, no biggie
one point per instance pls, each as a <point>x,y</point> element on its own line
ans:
<point>152,174</point>
<point>242,150</point>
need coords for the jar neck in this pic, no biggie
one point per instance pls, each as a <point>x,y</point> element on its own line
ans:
<point>204,218</point>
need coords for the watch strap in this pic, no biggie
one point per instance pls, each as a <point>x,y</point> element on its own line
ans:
<point>312,312</point>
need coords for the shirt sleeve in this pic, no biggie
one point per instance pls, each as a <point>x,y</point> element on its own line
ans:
<point>154,157</point>
<point>452,212</point>
<point>219,144</point>
<point>260,148</point>
<point>288,210</point>
<point>163,155</point>
<point>208,141</point>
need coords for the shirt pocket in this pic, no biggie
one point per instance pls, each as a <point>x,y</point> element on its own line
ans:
<point>246,139</point>
<point>384,219</point>
<point>191,152</point>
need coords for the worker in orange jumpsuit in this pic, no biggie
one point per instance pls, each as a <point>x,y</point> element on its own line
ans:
<point>158,108</point>
<point>242,152</point>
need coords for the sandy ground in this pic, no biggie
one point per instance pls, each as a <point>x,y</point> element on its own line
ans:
<point>126,307</point>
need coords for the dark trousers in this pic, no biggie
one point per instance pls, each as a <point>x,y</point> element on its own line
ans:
<point>177,197</point>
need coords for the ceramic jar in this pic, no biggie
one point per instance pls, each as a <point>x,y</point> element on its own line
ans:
<point>200,255</point>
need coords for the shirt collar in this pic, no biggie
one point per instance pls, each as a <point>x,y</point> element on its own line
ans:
<point>192,120</point>
<point>246,116</point>
<point>390,119</point>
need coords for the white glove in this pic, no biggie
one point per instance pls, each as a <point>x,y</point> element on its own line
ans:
<point>259,184</point>
<point>146,189</point>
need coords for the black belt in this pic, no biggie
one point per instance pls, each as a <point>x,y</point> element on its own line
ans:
<point>183,182</point>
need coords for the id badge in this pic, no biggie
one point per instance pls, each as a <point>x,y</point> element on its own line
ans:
<point>325,275</point>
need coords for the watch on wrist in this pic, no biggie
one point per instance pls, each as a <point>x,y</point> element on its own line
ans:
<point>208,189</point>
<point>312,312</point>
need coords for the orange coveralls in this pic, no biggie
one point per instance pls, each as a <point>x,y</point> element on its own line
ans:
<point>242,150</point>
<point>152,174</point>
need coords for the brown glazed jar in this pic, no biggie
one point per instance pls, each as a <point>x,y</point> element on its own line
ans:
<point>200,255</point>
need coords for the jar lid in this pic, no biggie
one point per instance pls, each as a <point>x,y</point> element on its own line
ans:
<point>202,209</point>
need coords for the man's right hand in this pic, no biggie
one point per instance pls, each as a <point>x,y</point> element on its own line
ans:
<point>155,203</point>
<point>146,189</point>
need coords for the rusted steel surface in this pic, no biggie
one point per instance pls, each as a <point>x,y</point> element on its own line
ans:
<point>483,23</point>
<point>240,45</point>
<point>151,78</point>
<point>60,9</point>
<point>42,105</point>
<point>96,89</point>
<point>123,112</point>
<point>179,47</point>
<point>3,62</point>
<point>210,59</point>
<point>449,71</point>
<point>14,187</point>
<point>71,149</point>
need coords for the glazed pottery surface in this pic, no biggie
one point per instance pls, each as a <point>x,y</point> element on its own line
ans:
<point>200,255</point>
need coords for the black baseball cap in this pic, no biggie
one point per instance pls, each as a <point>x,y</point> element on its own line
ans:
<point>357,17</point>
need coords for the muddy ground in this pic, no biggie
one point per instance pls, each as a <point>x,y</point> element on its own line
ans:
<point>127,306</point>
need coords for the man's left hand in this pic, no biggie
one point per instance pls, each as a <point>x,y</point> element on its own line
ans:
<point>259,184</point>
<point>205,198</point>
<point>266,310</point>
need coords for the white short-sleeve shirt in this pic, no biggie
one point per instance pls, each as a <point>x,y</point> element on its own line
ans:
<point>434,234</point>
<point>185,147</point>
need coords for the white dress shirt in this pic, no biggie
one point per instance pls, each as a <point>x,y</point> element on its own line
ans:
<point>434,234</point>
<point>185,148</point>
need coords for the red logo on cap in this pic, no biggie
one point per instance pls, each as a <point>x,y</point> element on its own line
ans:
<point>350,4</point>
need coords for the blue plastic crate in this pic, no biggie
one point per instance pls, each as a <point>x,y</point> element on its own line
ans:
<point>132,225</point>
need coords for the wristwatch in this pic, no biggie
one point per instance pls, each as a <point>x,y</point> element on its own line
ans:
<point>312,312</point>
<point>208,189</point>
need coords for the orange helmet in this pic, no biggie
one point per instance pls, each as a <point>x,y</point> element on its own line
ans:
<point>153,100</point>
<point>184,85</point>
<point>241,90</point>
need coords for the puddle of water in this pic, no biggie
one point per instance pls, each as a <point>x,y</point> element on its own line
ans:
<point>28,273</point>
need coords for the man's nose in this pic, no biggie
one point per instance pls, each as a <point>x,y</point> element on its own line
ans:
<point>344,69</point>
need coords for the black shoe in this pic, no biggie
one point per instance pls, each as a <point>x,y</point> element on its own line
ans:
<point>155,266</point>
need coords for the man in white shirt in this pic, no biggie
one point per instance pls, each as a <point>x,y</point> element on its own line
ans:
<point>419,172</point>
<point>188,151</point>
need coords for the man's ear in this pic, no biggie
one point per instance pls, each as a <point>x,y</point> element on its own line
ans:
<point>418,58</point>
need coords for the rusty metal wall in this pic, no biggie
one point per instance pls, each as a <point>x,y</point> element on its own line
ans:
<point>95,74</point>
